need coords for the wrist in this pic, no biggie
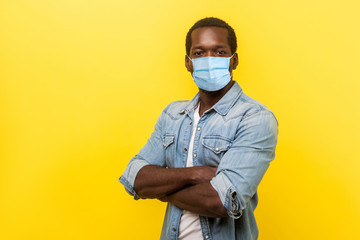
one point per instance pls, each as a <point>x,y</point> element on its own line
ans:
<point>192,175</point>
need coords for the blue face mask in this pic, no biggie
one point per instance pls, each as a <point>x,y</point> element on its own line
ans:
<point>211,73</point>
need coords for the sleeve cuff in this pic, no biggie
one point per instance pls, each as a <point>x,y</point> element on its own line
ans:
<point>128,177</point>
<point>228,195</point>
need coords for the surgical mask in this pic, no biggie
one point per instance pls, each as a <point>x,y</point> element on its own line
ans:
<point>211,73</point>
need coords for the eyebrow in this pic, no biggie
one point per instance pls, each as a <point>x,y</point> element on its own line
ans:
<point>200,47</point>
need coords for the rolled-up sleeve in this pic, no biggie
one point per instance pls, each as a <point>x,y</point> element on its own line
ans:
<point>128,177</point>
<point>246,161</point>
<point>152,153</point>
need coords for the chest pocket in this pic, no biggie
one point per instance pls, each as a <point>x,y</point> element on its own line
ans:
<point>214,147</point>
<point>169,146</point>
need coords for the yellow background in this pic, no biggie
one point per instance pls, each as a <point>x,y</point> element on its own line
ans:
<point>83,82</point>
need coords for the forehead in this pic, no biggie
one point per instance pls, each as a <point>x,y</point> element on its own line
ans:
<point>209,36</point>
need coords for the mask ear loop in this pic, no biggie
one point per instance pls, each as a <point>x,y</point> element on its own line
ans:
<point>229,62</point>
<point>189,58</point>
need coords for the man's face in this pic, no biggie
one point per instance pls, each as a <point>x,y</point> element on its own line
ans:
<point>210,42</point>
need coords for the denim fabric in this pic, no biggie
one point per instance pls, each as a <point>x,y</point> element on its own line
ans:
<point>238,135</point>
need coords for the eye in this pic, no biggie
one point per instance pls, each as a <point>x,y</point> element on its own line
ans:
<point>220,52</point>
<point>198,54</point>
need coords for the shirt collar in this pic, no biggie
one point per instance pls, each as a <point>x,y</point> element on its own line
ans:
<point>222,106</point>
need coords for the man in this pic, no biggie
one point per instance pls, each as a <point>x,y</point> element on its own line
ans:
<point>206,157</point>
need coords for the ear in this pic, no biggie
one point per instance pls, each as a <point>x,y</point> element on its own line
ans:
<point>235,61</point>
<point>188,64</point>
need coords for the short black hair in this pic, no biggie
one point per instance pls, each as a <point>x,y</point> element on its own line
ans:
<point>212,22</point>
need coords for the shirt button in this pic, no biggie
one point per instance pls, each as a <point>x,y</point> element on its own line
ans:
<point>217,149</point>
<point>199,128</point>
<point>185,149</point>
<point>190,123</point>
<point>206,236</point>
<point>174,229</point>
<point>194,155</point>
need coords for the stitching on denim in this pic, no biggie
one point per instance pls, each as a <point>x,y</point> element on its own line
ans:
<point>203,142</point>
<point>168,139</point>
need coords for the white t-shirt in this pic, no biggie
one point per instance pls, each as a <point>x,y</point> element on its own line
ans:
<point>190,228</point>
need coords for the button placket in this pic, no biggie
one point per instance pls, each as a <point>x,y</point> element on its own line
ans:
<point>196,140</point>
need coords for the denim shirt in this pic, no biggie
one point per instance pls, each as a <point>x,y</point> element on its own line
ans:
<point>238,135</point>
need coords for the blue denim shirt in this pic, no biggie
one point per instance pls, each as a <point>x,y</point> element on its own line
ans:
<point>238,135</point>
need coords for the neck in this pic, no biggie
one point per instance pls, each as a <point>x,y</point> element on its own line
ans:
<point>209,99</point>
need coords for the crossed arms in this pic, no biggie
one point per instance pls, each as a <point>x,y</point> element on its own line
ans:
<point>187,188</point>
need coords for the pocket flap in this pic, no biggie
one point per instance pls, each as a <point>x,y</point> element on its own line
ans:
<point>216,144</point>
<point>168,139</point>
